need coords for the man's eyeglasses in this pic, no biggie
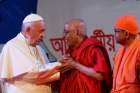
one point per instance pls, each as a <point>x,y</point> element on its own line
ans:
<point>118,30</point>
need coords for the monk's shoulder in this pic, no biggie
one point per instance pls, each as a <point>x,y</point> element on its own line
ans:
<point>137,43</point>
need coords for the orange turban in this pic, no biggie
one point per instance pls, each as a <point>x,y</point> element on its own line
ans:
<point>127,23</point>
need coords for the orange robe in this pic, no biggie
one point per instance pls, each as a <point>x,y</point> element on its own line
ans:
<point>126,75</point>
<point>91,54</point>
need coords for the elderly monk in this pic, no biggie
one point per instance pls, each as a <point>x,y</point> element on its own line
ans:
<point>126,75</point>
<point>22,61</point>
<point>87,60</point>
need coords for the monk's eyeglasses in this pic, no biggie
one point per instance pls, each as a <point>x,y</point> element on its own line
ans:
<point>118,30</point>
<point>65,32</point>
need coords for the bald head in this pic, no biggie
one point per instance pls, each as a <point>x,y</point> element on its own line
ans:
<point>76,24</point>
<point>75,32</point>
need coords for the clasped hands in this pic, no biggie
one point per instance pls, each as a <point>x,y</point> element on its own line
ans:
<point>67,63</point>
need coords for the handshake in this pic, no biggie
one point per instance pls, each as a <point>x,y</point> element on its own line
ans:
<point>52,71</point>
<point>46,73</point>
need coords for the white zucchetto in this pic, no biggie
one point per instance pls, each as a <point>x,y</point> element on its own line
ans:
<point>32,18</point>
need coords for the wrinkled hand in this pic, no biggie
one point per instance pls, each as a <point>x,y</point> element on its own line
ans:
<point>68,62</point>
<point>45,76</point>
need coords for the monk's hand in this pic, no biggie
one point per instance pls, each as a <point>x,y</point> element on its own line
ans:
<point>72,63</point>
<point>69,62</point>
<point>64,59</point>
<point>66,63</point>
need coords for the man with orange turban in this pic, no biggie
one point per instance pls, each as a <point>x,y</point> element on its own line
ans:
<point>126,74</point>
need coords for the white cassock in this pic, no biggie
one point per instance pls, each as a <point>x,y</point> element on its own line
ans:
<point>17,58</point>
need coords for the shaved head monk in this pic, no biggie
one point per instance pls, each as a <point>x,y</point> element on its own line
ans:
<point>89,67</point>
<point>126,74</point>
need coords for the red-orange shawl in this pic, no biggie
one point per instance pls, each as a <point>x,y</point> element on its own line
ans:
<point>91,54</point>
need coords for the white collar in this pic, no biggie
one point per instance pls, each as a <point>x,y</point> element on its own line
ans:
<point>21,36</point>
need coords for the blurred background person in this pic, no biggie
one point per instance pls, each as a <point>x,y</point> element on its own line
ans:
<point>126,73</point>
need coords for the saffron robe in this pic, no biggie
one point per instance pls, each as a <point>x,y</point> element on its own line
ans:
<point>126,73</point>
<point>90,53</point>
